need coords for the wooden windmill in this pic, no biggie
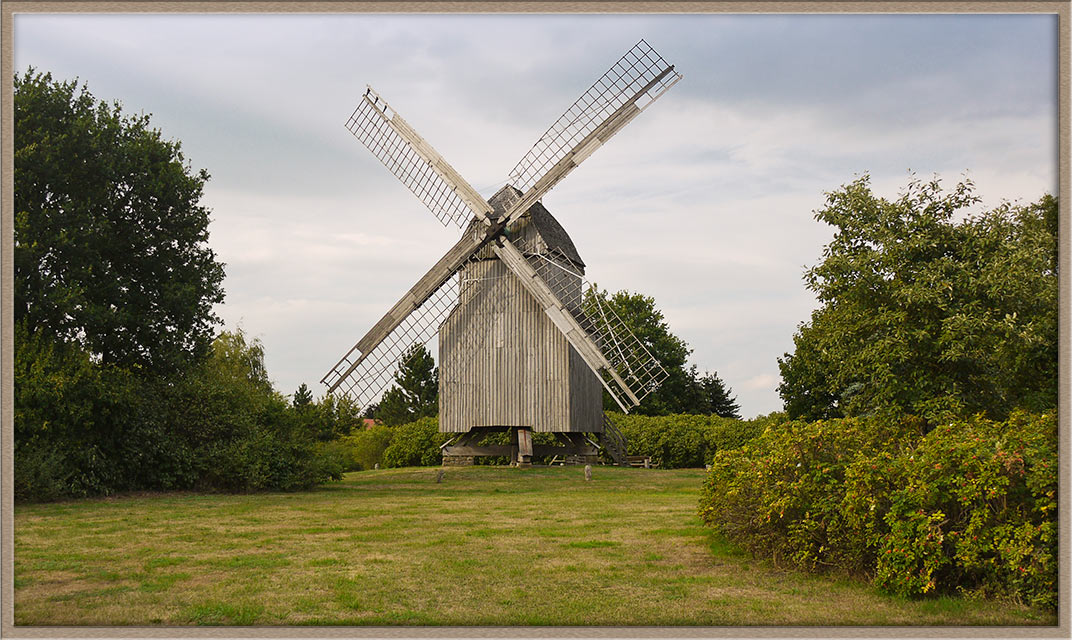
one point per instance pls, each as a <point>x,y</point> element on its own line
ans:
<point>522,348</point>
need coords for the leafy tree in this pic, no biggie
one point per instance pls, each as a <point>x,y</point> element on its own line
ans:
<point>337,416</point>
<point>109,236</point>
<point>242,432</point>
<point>416,443</point>
<point>924,309</point>
<point>371,411</point>
<point>119,384</point>
<point>308,416</point>
<point>684,390</point>
<point>416,391</point>
<point>367,446</point>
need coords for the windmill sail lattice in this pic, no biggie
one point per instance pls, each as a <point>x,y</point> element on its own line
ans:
<point>640,77</point>
<point>629,358</point>
<point>365,376</point>
<point>414,162</point>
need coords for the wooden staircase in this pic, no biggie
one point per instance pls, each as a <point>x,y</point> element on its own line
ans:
<point>612,440</point>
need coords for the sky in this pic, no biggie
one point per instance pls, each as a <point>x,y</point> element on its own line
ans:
<point>705,201</point>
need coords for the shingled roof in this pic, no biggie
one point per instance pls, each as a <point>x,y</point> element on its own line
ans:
<point>547,226</point>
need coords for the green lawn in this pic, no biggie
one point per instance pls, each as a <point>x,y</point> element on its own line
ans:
<point>488,546</point>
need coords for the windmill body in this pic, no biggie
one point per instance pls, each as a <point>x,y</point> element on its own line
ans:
<point>502,361</point>
<point>522,348</point>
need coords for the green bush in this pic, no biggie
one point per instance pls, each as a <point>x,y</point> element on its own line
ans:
<point>87,428</point>
<point>41,472</point>
<point>672,441</point>
<point>84,427</point>
<point>970,506</point>
<point>683,440</point>
<point>978,510</point>
<point>366,447</point>
<point>328,462</point>
<point>265,461</point>
<point>416,444</point>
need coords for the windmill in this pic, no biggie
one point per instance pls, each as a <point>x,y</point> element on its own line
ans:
<point>523,345</point>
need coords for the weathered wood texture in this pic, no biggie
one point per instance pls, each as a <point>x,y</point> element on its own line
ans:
<point>503,362</point>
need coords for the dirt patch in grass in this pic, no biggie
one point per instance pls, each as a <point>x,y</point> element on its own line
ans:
<point>487,546</point>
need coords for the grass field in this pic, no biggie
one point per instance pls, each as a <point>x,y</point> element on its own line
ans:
<point>487,546</point>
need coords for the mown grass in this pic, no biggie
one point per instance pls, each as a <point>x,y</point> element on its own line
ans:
<point>487,546</point>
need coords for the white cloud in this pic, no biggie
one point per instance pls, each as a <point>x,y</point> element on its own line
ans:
<point>764,381</point>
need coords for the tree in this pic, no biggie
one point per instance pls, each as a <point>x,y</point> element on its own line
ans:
<point>923,309</point>
<point>416,390</point>
<point>684,390</point>
<point>109,236</point>
<point>336,416</point>
<point>302,397</point>
<point>715,398</point>
<point>242,433</point>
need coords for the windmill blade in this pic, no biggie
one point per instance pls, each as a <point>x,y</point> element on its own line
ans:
<point>412,319</point>
<point>623,364</point>
<point>413,161</point>
<point>365,377</point>
<point>638,79</point>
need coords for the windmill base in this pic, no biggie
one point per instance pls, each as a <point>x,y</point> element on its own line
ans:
<point>520,451</point>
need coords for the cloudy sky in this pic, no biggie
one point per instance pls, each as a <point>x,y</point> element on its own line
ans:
<point>704,202</point>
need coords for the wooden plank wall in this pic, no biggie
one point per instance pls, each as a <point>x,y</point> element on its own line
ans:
<point>504,363</point>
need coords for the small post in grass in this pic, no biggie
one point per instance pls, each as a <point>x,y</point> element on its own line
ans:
<point>439,476</point>
<point>587,473</point>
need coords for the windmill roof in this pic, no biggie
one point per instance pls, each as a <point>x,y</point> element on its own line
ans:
<point>547,226</point>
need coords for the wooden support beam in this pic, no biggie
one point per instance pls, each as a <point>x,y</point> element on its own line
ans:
<point>538,450</point>
<point>544,450</point>
<point>480,450</point>
<point>524,447</point>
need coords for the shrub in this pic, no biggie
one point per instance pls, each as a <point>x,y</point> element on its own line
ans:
<point>265,461</point>
<point>85,427</point>
<point>366,448</point>
<point>970,506</point>
<point>672,441</point>
<point>416,444</point>
<point>683,440</point>
<point>978,511</point>
<point>329,461</point>
<point>41,472</point>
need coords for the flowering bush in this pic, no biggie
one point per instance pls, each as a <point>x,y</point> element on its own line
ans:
<point>971,506</point>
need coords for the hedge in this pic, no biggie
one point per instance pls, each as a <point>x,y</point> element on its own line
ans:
<point>969,507</point>
<point>684,440</point>
<point>673,441</point>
